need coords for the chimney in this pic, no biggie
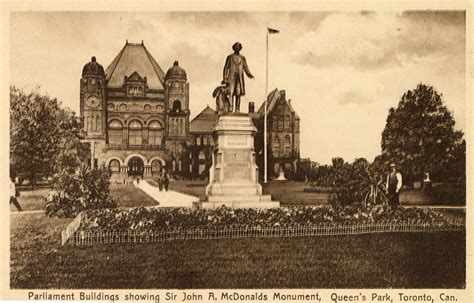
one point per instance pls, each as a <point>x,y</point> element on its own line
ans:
<point>251,107</point>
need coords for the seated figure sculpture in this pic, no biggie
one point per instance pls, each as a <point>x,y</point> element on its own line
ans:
<point>222,93</point>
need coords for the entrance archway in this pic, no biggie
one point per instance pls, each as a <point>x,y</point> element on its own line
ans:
<point>135,166</point>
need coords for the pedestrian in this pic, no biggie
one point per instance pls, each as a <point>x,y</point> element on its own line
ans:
<point>14,194</point>
<point>160,183</point>
<point>166,179</point>
<point>394,184</point>
<point>138,181</point>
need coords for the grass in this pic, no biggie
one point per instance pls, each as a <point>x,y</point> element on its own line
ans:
<point>32,199</point>
<point>126,195</point>
<point>399,260</point>
<point>287,192</point>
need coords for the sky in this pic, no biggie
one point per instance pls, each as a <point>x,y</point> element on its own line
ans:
<point>342,71</point>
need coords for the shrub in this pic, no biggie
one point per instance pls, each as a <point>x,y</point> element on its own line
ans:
<point>176,218</point>
<point>85,189</point>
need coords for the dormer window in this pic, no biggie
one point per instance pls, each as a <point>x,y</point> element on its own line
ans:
<point>135,85</point>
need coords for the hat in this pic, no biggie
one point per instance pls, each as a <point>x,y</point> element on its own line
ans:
<point>393,165</point>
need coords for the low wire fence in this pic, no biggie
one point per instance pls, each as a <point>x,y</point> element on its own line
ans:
<point>84,237</point>
<point>71,228</point>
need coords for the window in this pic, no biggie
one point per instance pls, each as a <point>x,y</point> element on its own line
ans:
<point>274,123</point>
<point>198,140</point>
<point>147,107</point>
<point>280,122</point>
<point>114,166</point>
<point>110,106</point>
<point>205,141</point>
<point>123,107</point>
<point>177,106</point>
<point>202,155</point>
<point>287,146</point>
<point>159,108</point>
<point>154,133</point>
<point>135,133</point>
<point>276,146</point>
<point>287,122</point>
<point>115,132</point>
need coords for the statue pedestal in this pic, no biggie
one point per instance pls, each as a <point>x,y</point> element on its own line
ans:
<point>233,176</point>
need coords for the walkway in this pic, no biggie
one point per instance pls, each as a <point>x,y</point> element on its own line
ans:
<point>168,198</point>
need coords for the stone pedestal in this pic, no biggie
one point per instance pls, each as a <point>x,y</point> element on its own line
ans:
<point>233,176</point>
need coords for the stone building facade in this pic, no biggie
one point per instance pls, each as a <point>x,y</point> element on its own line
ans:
<point>136,117</point>
<point>283,135</point>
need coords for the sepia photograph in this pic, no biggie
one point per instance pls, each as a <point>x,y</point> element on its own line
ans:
<point>237,149</point>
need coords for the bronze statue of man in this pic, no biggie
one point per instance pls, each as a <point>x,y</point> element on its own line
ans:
<point>234,68</point>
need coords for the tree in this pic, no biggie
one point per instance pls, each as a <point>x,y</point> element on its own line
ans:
<point>44,138</point>
<point>34,133</point>
<point>419,134</point>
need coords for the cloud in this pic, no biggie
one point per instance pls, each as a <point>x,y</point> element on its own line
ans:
<point>354,97</point>
<point>369,41</point>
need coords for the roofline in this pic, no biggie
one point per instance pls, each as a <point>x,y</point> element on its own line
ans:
<point>118,60</point>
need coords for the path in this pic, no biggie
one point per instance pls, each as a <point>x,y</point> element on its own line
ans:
<point>168,198</point>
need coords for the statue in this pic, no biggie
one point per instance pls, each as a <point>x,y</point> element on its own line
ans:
<point>221,93</point>
<point>234,68</point>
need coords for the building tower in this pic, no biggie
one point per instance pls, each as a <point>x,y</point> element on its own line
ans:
<point>177,112</point>
<point>93,107</point>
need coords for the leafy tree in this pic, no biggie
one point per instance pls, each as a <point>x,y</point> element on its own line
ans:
<point>44,138</point>
<point>419,134</point>
<point>34,133</point>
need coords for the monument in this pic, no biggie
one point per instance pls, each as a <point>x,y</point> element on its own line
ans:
<point>233,176</point>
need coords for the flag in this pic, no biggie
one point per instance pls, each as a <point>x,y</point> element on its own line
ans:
<point>273,31</point>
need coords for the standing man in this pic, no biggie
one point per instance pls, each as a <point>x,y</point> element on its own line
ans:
<point>234,68</point>
<point>14,193</point>
<point>394,184</point>
<point>166,179</point>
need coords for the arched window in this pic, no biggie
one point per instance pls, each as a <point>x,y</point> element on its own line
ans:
<point>280,122</point>
<point>135,133</point>
<point>97,123</point>
<point>287,146</point>
<point>159,108</point>
<point>110,106</point>
<point>123,107</point>
<point>287,122</point>
<point>147,107</point>
<point>114,166</point>
<point>177,106</point>
<point>276,146</point>
<point>155,133</point>
<point>115,132</point>
<point>156,167</point>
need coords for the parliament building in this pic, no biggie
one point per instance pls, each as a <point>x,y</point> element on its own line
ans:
<point>136,120</point>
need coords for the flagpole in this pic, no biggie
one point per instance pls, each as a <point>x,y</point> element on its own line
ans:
<point>265,115</point>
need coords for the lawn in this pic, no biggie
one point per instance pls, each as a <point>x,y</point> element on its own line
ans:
<point>399,260</point>
<point>287,192</point>
<point>126,195</point>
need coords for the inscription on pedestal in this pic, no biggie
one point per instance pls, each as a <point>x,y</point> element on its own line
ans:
<point>237,164</point>
<point>237,141</point>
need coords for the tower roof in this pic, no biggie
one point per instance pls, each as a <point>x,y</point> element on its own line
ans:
<point>176,72</point>
<point>134,57</point>
<point>93,68</point>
